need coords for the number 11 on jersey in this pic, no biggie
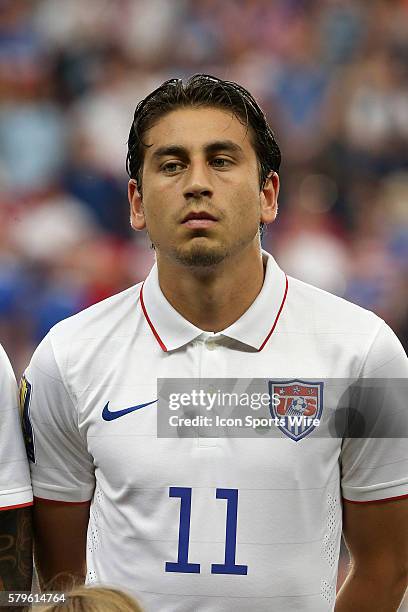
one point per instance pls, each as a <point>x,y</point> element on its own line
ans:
<point>229,566</point>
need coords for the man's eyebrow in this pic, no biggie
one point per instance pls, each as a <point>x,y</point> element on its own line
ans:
<point>170,150</point>
<point>223,145</point>
<point>211,147</point>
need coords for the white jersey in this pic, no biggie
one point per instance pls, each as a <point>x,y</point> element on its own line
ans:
<point>15,484</point>
<point>208,524</point>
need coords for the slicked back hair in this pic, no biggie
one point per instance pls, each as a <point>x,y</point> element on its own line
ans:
<point>202,90</point>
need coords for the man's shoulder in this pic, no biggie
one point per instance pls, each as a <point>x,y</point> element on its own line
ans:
<point>99,318</point>
<point>328,309</point>
<point>80,337</point>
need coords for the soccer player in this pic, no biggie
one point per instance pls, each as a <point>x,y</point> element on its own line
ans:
<point>16,496</point>
<point>210,523</point>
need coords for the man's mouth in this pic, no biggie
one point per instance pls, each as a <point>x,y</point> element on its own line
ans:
<point>199,220</point>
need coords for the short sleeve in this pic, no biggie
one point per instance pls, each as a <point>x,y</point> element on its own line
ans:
<point>15,485</point>
<point>376,468</point>
<point>61,467</point>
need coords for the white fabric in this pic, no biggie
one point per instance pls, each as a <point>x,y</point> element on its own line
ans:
<point>289,493</point>
<point>15,485</point>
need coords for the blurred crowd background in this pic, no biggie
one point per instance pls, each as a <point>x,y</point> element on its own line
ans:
<point>331,75</point>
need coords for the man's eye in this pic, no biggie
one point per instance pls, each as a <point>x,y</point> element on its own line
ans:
<point>220,162</point>
<point>171,167</point>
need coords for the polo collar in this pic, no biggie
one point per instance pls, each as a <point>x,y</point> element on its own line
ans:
<point>253,328</point>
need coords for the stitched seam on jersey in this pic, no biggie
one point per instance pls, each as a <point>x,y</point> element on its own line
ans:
<point>15,491</point>
<point>221,541</point>
<point>392,484</point>
<point>166,485</point>
<point>40,486</point>
<point>370,346</point>
<point>380,465</point>
<point>218,596</point>
<point>384,363</point>
<point>375,501</point>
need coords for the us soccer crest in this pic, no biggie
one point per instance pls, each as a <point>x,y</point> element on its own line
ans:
<point>296,406</point>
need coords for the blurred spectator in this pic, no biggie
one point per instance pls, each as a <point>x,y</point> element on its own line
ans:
<point>332,77</point>
<point>312,245</point>
<point>49,224</point>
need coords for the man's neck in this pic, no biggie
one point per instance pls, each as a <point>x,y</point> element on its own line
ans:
<point>215,298</point>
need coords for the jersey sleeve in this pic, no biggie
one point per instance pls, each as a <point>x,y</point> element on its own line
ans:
<point>61,467</point>
<point>375,467</point>
<point>15,485</point>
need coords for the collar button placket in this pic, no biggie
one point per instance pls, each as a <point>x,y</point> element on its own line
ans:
<point>207,372</point>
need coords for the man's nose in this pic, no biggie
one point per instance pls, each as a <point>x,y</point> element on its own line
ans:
<point>198,182</point>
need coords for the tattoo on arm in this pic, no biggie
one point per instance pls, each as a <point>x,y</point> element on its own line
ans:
<point>16,559</point>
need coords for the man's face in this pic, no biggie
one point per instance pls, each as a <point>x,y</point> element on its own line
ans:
<point>201,196</point>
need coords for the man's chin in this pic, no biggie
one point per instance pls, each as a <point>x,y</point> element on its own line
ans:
<point>201,255</point>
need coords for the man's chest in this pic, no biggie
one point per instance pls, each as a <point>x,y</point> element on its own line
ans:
<point>119,411</point>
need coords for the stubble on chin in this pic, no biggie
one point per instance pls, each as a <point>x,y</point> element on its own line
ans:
<point>201,257</point>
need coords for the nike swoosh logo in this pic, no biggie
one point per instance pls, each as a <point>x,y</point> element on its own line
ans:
<point>107,415</point>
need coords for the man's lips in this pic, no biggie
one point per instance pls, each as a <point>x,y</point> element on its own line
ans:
<point>199,220</point>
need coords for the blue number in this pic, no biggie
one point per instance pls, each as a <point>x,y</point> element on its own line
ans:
<point>229,566</point>
<point>182,564</point>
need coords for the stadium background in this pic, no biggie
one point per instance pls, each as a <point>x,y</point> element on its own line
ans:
<point>332,77</point>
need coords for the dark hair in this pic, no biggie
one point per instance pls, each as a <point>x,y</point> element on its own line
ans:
<point>208,91</point>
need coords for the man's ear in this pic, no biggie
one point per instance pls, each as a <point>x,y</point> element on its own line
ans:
<point>269,198</point>
<point>137,217</point>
